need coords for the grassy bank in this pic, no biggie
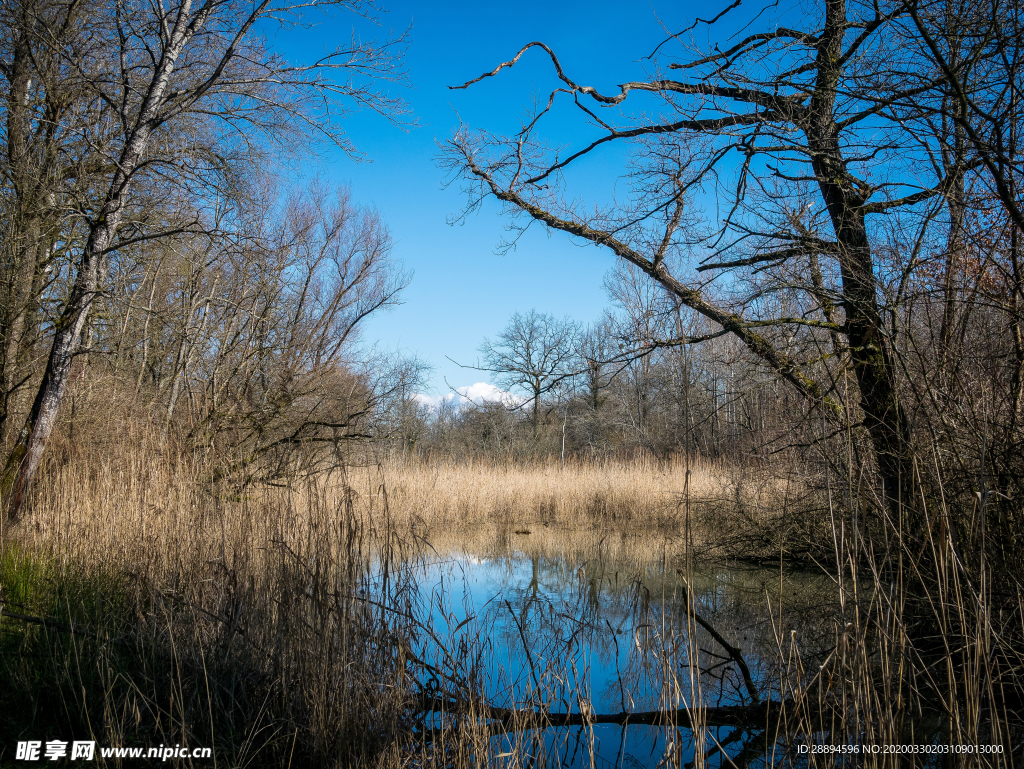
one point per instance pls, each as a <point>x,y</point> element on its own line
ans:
<point>144,607</point>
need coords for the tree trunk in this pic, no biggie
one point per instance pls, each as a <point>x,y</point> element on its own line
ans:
<point>870,355</point>
<point>22,241</point>
<point>23,461</point>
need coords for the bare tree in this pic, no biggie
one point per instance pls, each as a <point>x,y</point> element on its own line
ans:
<point>976,51</point>
<point>169,79</point>
<point>822,144</point>
<point>534,352</point>
<point>594,351</point>
<point>400,419</point>
<point>640,326</point>
<point>255,334</point>
<point>51,137</point>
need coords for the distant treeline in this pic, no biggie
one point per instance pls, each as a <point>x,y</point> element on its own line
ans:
<point>603,391</point>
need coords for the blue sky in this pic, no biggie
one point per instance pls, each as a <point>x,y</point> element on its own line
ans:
<point>461,290</point>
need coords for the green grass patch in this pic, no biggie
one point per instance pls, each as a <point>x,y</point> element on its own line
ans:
<point>59,652</point>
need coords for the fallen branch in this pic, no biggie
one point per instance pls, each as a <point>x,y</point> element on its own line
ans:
<point>53,624</point>
<point>734,652</point>
<point>510,719</point>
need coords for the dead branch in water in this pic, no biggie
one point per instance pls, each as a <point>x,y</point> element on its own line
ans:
<point>733,651</point>
<point>520,719</point>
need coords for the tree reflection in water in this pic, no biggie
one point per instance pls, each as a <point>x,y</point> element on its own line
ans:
<point>575,657</point>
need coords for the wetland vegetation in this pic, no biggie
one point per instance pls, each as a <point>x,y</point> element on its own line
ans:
<point>424,613</point>
<point>764,511</point>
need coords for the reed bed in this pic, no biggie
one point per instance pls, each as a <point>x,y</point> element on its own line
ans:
<point>926,667</point>
<point>144,606</point>
<point>575,494</point>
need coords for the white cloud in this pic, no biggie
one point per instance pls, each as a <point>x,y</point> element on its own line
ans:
<point>478,393</point>
<point>482,392</point>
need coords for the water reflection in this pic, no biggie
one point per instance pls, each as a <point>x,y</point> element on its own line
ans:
<point>589,633</point>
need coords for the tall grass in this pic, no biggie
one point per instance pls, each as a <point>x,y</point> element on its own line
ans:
<point>924,654</point>
<point>146,607</point>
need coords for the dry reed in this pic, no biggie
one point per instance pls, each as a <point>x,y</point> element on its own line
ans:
<point>278,625</point>
<point>613,493</point>
<point>260,624</point>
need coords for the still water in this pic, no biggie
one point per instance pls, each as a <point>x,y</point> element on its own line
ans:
<point>577,623</point>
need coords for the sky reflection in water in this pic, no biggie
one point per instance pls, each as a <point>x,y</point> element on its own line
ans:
<point>606,636</point>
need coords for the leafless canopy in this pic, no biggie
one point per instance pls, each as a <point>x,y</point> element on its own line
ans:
<point>535,351</point>
<point>131,123</point>
<point>799,185</point>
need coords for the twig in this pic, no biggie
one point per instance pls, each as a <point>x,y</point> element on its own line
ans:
<point>53,624</point>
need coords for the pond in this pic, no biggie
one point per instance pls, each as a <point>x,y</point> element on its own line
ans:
<point>585,624</point>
